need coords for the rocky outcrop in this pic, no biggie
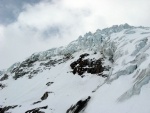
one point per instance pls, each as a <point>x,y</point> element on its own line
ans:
<point>79,106</point>
<point>21,70</point>
<point>82,65</point>
<point>26,67</point>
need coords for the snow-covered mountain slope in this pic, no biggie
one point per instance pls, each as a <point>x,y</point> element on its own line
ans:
<point>103,72</point>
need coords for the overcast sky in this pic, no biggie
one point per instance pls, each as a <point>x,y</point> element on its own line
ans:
<point>28,26</point>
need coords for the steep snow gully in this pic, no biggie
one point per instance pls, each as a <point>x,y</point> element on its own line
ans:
<point>103,72</point>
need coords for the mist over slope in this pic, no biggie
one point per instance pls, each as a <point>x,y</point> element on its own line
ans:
<point>103,72</point>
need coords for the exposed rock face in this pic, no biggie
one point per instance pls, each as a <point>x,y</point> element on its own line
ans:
<point>26,67</point>
<point>79,106</point>
<point>21,70</point>
<point>82,65</point>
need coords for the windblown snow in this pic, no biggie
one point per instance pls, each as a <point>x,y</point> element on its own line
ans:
<point>103,72</point>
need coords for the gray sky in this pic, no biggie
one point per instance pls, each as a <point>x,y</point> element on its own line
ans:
<point>28,26</point>
<point>10,9</point>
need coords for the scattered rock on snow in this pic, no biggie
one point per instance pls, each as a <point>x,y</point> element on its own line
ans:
<point>2,85</point>
<point>5,77</point>
<point>6,108</point>
<point>37,110</point>
<point>45,95</point>
<point>49,83</point>
<point>36,102</point>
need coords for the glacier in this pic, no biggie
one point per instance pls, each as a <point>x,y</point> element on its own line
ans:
<point>103,72</point>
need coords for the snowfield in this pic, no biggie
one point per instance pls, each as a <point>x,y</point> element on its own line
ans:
<point>103,72</point>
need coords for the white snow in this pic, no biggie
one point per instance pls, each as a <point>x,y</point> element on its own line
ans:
<point>125,49</point>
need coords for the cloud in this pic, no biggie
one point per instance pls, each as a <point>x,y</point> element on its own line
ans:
<point>2,36</point>
<point>10,9</point>
<point>45,24</point>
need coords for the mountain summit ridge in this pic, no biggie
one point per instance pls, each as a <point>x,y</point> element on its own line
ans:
<point>73,46</point>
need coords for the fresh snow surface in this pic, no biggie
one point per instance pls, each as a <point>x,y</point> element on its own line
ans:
<point>124,49</point>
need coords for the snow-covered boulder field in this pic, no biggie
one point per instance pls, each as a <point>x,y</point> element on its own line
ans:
<point>103,72</point>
